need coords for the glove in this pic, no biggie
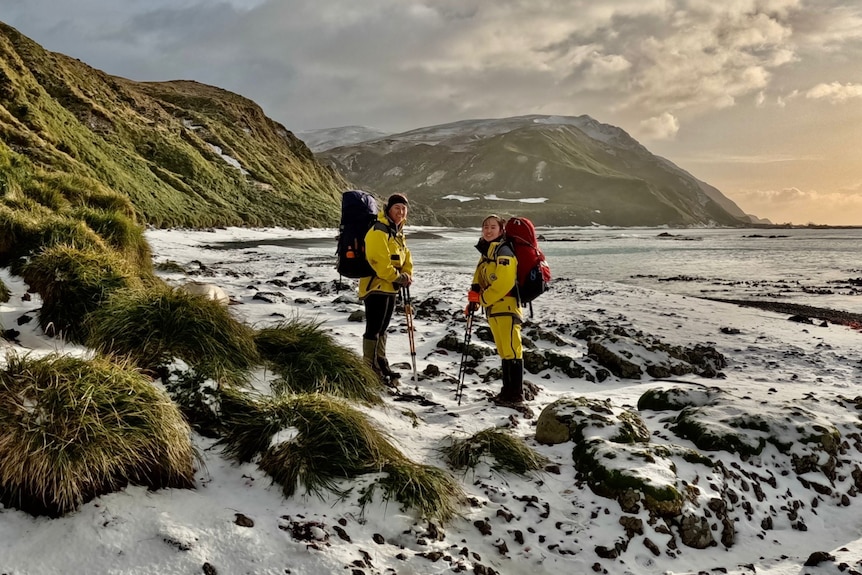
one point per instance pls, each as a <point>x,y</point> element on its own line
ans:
<point>473,296</point>
<point>471,307</point>
<point>403,280</point>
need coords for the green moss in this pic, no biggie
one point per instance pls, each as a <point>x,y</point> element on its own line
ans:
<point>691,425</point>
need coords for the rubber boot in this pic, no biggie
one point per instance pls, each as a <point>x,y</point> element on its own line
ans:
<point>505,394</point>
<point>382,362</point>
<point>516,380</point>
<point>512,395</point>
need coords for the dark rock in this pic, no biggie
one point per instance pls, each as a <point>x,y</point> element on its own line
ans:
<point>243,521</point>
<point>431,370</point>
<point>649,544</point>
<point>817,558</point>
<point>632,525</point>
<point>342,534</point>
<point>271,297</point>
<point>483,526</point>
<point>695,532</point>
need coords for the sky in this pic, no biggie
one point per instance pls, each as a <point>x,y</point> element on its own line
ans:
<point>759,98</point>
<point>778,369</point>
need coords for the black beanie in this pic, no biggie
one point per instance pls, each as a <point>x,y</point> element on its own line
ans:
<point>396,199</point>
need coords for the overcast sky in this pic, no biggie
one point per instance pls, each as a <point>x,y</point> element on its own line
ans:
<point>760,98</point>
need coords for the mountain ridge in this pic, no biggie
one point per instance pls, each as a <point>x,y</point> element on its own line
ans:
<point>560,170</point>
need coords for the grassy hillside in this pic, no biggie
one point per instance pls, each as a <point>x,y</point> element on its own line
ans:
<point>184,153</point>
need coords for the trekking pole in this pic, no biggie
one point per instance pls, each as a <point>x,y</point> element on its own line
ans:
<point>462,371</point>
<point>408,312</point>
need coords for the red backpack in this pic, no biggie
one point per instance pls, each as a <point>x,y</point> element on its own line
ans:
<point>534,274</point>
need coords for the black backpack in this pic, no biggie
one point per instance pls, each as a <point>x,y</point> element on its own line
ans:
<point>358,214</point>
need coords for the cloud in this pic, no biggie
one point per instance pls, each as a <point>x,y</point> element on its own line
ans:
<point>835,92</point>
<point>662,127</point>
<point>837,207</point>
<point>399,64</point>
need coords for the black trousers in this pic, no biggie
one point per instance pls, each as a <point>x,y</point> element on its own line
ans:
<point>378,314</point>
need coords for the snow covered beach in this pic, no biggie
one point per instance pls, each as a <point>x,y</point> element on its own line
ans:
<point>235,521</point>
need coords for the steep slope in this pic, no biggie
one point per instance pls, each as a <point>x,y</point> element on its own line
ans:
<point>557,170</point>
<point>186,154</point>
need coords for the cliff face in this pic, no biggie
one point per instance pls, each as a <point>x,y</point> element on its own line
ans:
<point>186,154</point>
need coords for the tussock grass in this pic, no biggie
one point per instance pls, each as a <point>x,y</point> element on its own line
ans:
<point>72,429</point>
<point>73,283</point>
<point>508,451</point>
<point>154,325</point>
<point>332,440</point>
<point>314,441</point>
<point>122,233</point>
<point>24,232</point>
<point>307,359</point>
<point>429,490</point>
<point>83,191</point>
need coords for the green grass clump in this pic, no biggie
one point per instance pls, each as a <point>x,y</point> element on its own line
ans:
<point>25,231</point>
<point>331,441</point>
<point>429,490</point>
<point>73,283</point>
<point>120,232</point>
<point>307,359</point>
<point>315,441</point>
<point>508,451</point>
<point>73,429</point>
<point>154,325</point>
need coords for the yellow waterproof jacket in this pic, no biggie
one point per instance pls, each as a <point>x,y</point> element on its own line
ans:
<point>387,253</point>
<point>497,275</point>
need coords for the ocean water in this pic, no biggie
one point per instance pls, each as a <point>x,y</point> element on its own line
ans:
<point>819,267</point>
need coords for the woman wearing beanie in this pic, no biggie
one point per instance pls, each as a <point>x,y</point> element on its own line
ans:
<point>387,253</point>
<point>493,289</point>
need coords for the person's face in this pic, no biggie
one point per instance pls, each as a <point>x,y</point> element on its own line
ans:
<point>491,229</point>
<point>398,213</point>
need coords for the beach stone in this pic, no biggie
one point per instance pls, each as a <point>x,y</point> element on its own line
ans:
<point>695,532</point>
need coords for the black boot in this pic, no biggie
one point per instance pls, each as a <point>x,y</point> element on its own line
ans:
<point>505,395</point>
<point>516,380</point>
<point>512,395</point>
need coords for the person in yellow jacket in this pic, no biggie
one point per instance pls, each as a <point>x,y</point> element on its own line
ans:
<point>494,288</point>
<point>387,253</point>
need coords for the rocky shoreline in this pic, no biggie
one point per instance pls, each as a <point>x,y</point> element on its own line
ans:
<point>821,313</point>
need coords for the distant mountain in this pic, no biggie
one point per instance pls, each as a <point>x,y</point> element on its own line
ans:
<point>557,170</point>
<point>185,153</point>
<point>328,138</point>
